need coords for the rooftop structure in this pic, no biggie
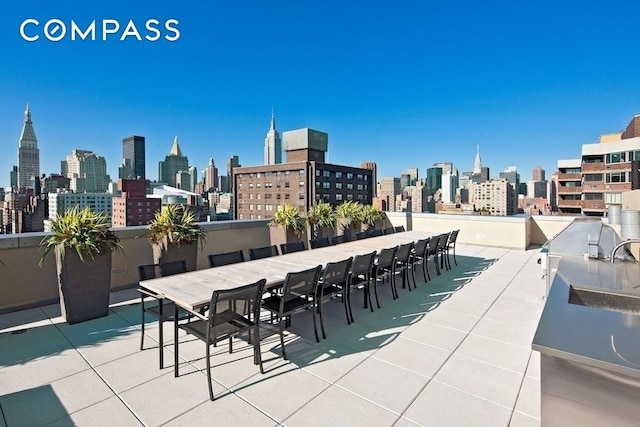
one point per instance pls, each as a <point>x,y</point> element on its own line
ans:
<point>28,152</point>
<point>173,163</point>
<point>272,144</point>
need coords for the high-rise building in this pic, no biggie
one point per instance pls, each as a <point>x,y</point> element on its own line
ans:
<point>272,144</point>
<point>390,188</point>
<point>211,176</point>
<point>133,158</point>
<point>537,174</point>
<point>477,163</point>
<point>568,187</point>
<point>372,166</point>
<point>87,172</point>
<point>173,163</point>
<point>28,152</point>
<point>232,163</point>
<point>511,174</point>
<point>449,187</point>
<point>497,197</point>
<point>433,180</point>
<point>13,177</point>
<point>97,202</point>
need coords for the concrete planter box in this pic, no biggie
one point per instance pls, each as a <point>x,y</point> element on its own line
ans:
<point>165,251</point>
<point>279,235</point>
<point>83,286</point>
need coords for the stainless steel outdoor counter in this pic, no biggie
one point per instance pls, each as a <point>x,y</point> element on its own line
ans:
<point>590,347</point>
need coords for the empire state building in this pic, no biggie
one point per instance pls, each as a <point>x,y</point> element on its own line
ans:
<point>28,152</point>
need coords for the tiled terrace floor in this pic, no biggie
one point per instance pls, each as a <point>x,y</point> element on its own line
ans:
<point>454,352</point>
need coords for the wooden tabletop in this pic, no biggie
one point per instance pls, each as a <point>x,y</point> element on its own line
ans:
<point>193,289</point>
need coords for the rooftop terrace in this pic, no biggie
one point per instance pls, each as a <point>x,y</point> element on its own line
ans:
<point>456,351</point>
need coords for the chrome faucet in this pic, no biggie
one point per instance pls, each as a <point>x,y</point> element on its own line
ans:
<point>618,246</point>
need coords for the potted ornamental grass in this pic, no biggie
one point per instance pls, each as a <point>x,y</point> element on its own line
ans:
<point>322,220</point>
<point>287,225</point>
<point>82,243</point>
<point>371,217</point>
<point>350,213</point>
<point>175,235</point>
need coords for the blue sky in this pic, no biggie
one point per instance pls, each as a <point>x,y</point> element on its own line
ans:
<point>401,83</point>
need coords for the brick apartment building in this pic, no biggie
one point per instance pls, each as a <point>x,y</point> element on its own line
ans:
<point>133,207</point>
<point>302,180</point>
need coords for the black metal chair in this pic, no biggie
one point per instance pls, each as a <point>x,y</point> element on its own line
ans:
<point>399,228</point>
<point>432,251</point>
<point>361,235</point>
<point>442,250</point>
<point>403,264</point>
<point>298,292</point>
<point>420,255</point>
<point>343,238</point>
<point>264,252</point>
<point>231,312</point>
<point>385,266</point>
<point>320,242</point>
<point>451,246</point>
<point>335,281</point>
<point>163,310</point>
<point>361,273</point>
<point>287,248</point>
<point>233,257</point>
<point>389,230</point>
<point>376,232</point>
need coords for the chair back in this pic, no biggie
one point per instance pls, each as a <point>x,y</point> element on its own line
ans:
<point>375,233</point>
<point>388,230</point>
<point>218,260</point>
<point>173,267</point>
<point>361,235</point>
<point>336,240</point>
<point>404,252</point>
<point>336,273</point>
<point>387,257</point>
<point>300,284</point>
<point>265,252</point>
<point>320,242</point>
<point>362,264</point>
<point>287,248</point>
<point>433,245</point>
<point>149,271</point>
<point>236,309</point>
<point>442,242</point>
<point>399,228</point>
<point>420,248</point>
<point>453,237</point>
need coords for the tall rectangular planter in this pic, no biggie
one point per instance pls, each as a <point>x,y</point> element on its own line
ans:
<point>84,286</point>
<point>167,252</point>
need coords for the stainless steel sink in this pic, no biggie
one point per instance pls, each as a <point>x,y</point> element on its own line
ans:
<point>604,300</point>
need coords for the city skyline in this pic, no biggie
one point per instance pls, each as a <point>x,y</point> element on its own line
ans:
<point>403,85</point>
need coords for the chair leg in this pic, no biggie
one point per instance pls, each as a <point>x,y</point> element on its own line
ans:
<point>175,341</point>
<point>315,328</point>
<point>161,332</point>
<point>281,327</point>
<point>454,255</point>
<point>209,371</point>
<point>324,336</point>
<point>346,302</point>
<point>425,268</point>
<point>375,291</point>
<point>257,353</point>
<point>142,321</point>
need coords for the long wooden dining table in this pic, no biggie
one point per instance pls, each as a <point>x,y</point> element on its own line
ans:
<point>192,290</point>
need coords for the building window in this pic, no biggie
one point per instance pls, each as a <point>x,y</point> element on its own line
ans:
<point>258,185</point>
<point>338,174</point>
<point>258,196</point>
<point>301,172</point>
<point>349,175</point>
<point>318,171</point>
<point>615,198</point>
<point>286,196</point>
<point>349,196</point>
<point>258,207</point>
<point>616,177</point>
<point>278,173</point>
<point>593,196</point>
<point>349,186</point>
<point>339,197</point>
<point>360,176</point>
<point>326,174</point>
<point>251,196</point>
<point>326,197</point>
<point>287,173</point>
<point>592,177</point>
<point>360,187</point>
<point>301,196</point>
<point>250,207</point>
<point>286,184</point>
<point>252,175</point>
<point>268,185</point>
<point>278,196</point>
<point>301,184</point>
<point>258,175</point>
<point>326,185</point>
<point>251,185</point>
<point>615,157</point>
<point>317,184</point>
<point>268,174</point>
<point>338,186</point>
